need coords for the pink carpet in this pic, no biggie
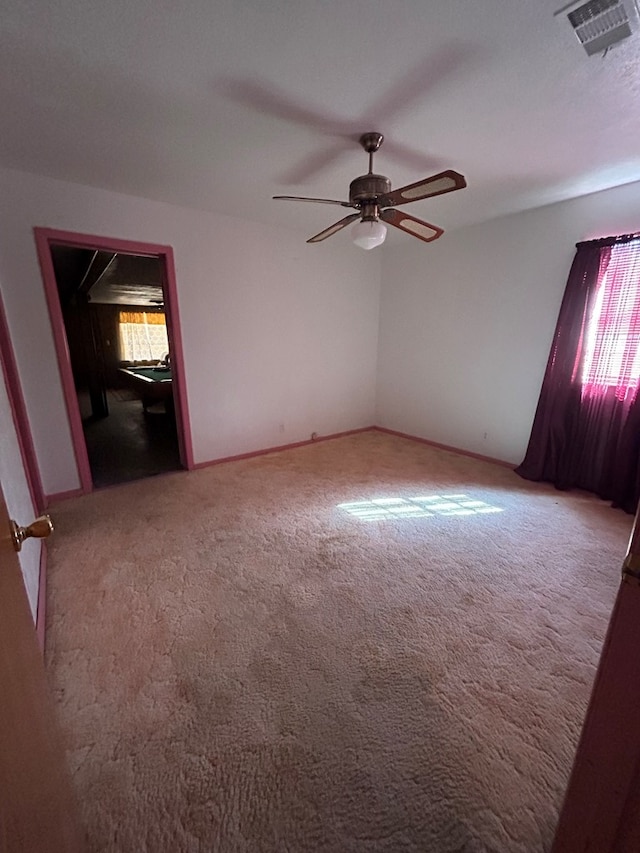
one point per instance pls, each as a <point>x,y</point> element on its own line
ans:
<point>241,663</point>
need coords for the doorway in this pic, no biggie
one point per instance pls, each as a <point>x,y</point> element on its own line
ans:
<point>113,308</point>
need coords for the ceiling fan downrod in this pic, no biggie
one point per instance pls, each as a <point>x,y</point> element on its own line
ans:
<point>371,142</point>
<point>366,189</point>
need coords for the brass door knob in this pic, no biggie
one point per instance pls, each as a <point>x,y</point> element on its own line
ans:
<point>40,529</point>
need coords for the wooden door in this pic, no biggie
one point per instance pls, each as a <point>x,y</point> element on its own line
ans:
<point>601,809</point>
<point>37,813</point>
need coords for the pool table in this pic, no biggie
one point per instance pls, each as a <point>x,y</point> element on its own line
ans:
<point>151,384</point>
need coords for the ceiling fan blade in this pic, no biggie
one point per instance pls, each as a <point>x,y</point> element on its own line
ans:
<point>316,200</point>
<point>271,101</point>
<point>337,226</point>
<point>443,182</point>
<point>420,229</point>
<point>418,82</point>
<point>413,159</point>
<point>307,167</point>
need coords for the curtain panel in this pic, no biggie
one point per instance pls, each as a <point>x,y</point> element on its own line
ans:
<point>142,336</point>
<point>586,434</point>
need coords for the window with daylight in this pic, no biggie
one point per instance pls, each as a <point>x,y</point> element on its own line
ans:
<point>612,352</point>
<point>586,431</point>
<point>143,336</point>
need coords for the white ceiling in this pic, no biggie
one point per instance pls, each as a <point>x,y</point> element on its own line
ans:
<point>220,104</point>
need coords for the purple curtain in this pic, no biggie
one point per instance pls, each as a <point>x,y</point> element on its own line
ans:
<point>583,438</point>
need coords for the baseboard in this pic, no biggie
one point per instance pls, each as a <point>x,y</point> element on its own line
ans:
<point>447,447</point>
<point>41,606</point>
<point>62,496</point>
<point>281,447</point>
<point>74,493</point>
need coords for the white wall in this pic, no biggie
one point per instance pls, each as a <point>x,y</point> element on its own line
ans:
<point>17,495</point>
<point>466,323</point>
<point>275,331</point>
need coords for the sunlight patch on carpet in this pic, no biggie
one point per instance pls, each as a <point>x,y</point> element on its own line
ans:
<point>423,506</point>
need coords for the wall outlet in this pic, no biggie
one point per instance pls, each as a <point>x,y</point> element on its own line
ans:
<point>281,428</point>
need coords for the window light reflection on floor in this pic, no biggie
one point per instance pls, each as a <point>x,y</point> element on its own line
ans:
<point>423,506</point>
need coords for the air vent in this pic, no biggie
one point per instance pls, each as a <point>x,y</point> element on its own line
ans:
<point>599,24</point>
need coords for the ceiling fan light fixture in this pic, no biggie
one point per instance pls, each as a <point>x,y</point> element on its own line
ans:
<point>368,234</point>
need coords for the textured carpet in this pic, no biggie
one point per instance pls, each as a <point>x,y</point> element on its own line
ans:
<point>241,664</point>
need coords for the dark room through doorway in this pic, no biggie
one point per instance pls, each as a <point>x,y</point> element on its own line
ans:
<point>113,307</point>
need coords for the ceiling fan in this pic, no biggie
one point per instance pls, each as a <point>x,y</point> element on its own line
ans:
<point>371,195</point>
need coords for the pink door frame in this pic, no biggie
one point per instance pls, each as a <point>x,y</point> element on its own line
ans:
<point>19,413</point>
<point>45,238</point>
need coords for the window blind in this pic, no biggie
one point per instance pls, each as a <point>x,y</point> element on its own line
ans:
<point>613,338</point>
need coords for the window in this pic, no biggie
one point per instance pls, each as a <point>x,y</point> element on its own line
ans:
<point>612,353</point>
<point>143,336</point>
<point>585,433</point>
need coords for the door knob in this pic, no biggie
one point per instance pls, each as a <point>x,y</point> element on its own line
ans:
<point>40,529</point>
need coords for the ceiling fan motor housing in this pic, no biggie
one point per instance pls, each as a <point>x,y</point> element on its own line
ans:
<point>368,188</point>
